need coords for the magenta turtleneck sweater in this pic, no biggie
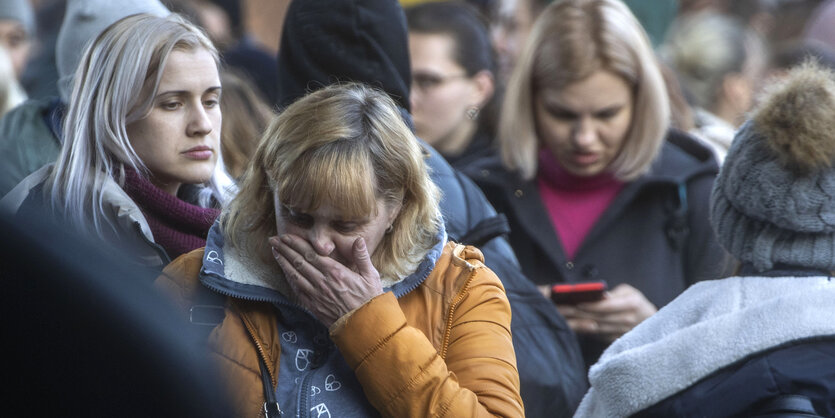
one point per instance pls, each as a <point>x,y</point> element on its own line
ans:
<point>574,203</point>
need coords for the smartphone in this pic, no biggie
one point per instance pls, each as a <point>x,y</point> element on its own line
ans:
<point>574,293</point>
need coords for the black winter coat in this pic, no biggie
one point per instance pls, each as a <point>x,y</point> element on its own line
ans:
<point>655,235</point>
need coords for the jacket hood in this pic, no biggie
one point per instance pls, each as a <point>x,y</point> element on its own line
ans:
<point>329,41</point>
<point>711,325</point>
<point>231,273</point>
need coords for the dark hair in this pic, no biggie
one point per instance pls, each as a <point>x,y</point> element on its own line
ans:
<point>464,24</point>
<point>472,47</point>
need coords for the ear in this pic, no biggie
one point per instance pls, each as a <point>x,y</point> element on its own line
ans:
<point>485,86</point>
<point>394,210</point>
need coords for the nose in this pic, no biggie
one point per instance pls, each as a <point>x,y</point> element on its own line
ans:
<point>584,134</point>
<point>320,240</point>
<point>413,101</point>
<point>200,124</point>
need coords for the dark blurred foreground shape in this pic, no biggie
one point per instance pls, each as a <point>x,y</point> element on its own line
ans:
<point>86,335</point>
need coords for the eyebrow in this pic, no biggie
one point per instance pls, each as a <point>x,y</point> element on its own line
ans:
<point>181,92</point>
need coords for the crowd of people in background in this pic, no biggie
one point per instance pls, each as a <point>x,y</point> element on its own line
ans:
<point>378,211</point>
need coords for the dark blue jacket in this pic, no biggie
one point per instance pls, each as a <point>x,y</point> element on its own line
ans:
<point>366,41</point>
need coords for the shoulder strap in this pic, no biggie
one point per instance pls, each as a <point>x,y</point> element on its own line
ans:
<point>206,312</point>
<point>486,228</point>
<point>785,406</point>
<point>271,408</point>
<point>676,228</point>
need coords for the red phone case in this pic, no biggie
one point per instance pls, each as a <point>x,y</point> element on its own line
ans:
<point>573,293</point>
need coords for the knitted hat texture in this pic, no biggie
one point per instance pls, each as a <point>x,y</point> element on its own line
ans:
<point>774,198</point>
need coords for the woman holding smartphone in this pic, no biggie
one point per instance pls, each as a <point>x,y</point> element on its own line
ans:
<point>594,184</point>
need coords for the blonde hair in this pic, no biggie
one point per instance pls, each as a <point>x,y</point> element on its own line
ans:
<point>571,40</point>
<point>245,117</point>
<point>114,85</point>
<point>345,145</point>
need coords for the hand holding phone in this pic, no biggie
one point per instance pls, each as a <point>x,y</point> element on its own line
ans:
<point>580,292</point>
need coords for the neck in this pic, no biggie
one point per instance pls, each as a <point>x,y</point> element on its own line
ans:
<point>171,188</point>
<point>457,140</point>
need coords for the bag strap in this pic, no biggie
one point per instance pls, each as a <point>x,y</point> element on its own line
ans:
<point>206,312</point>
<point>676,228</point>
<point>271,408</point>
<point>485,230</point>
<point>785,406</point>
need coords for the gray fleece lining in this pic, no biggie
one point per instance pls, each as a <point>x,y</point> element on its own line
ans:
<point>711,325</point>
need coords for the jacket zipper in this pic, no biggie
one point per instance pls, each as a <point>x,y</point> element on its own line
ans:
<point>260,349</point>
<point>459,296</point>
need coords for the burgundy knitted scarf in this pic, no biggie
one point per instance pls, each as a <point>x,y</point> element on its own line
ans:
<point>178,226</point>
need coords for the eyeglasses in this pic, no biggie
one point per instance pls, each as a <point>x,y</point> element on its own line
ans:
<point>426,81</point>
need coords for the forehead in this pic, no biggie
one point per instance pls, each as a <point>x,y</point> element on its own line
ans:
<point>601,88</point>
<point>430,48</point>
<point>189,70</point>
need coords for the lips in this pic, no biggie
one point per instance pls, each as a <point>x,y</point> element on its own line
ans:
<point>200,152</point>
<point>585,159</point>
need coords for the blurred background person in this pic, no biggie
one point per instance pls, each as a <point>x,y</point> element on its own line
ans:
<point>245,116</point>
<point>334,255</point>
<point>593,183</point>
<point>17,30</point>
<point>11,93</point>
<point>764,340</point>
<point>720,64</point>
<point>453,82</point>
<point>512,22</point>
<point>136,169</point>
<point>64,287</point>
<point>39,79</point>
<point>317,51</point>
<point>30,134</point>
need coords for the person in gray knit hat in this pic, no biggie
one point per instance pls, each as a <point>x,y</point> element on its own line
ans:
<point>764,339</point>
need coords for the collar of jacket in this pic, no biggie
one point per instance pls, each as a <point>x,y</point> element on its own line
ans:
<point>232,274</point>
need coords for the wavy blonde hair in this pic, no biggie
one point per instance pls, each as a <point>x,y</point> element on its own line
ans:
<point>348,146</point>
<point>570,41</point>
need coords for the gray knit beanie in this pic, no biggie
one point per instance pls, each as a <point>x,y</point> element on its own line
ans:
<point>774,199</point>
<point>83,21</point>
<point>21,11</point>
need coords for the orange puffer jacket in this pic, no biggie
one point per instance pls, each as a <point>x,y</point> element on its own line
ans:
<point>443,349</point>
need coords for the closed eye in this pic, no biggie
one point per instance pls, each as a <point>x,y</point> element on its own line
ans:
<point>608,112</point>
<point>301,220</point>
<point>561,113</point>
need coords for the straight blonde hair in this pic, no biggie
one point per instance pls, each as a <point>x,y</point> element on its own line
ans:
<point>571,40</point>
<point>344,145</point>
